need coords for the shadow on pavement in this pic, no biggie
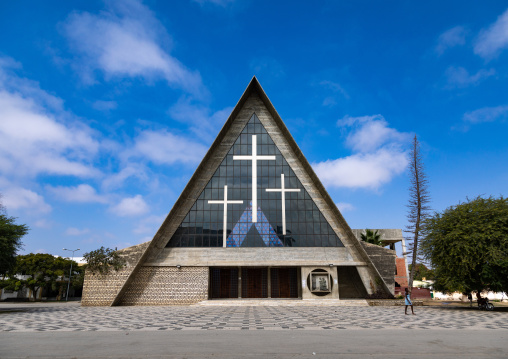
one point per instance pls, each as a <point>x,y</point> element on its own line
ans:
<point>468,309</point>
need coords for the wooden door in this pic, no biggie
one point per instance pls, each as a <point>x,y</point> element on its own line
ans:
<point>254,283</point>
<point>224,283</point>
<point>284,282</point>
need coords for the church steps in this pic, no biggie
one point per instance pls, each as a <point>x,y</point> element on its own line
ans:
<point>283,303</point>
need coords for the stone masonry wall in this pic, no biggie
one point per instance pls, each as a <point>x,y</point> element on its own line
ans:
<point>101,290</point>
<point>167,286</point>
<point>384,260</point>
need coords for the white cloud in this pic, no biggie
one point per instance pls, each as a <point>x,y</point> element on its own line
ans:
<point>116,180</point>
<point>83,193</point>
<point>8,63</point>
<point>104,106</point>
<point>345,207</point>
<point>362,170</point>
<point>379,156</point>
<point>487,114</point>
<point>334,87</point>
<point>453,37</point>
<point>162,147</point>
<point>126,41</point>
<point>22,198</point>
<point>267,66</point>
<point>36,135</point>
<point>133,206</point>
<point>71,231</point>
<point>460,77</point>
<point>494,39</point>
<point>145,239</point>
<point>370,132</point>
<point>221,3</point>
<point>202,122</point>
<point>149,224</point>
<point>43,223</point>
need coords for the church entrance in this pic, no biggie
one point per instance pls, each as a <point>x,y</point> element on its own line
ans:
<point>224,282</point>
<point>255,282</point>
<point>284,282</point>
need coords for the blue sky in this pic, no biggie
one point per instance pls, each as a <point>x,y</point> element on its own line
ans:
<point>107,108</point>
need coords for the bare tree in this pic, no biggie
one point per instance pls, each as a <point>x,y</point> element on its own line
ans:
<point>418,203</point>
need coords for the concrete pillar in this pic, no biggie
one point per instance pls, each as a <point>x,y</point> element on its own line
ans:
<point>335,279</point>
<point>240,282</point>
<point>363,271</point>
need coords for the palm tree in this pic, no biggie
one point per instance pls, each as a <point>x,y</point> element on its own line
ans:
<point>372,237</point>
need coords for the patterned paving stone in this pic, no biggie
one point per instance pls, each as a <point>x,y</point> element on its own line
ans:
<point>75,318</point>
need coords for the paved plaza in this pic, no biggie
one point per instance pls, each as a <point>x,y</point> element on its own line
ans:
<point>72,317</point>
<point>67,330</point>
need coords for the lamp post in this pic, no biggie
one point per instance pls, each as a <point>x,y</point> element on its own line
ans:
<point>70,272</point>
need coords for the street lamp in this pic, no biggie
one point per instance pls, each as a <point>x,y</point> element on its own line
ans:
<point>70,272</point>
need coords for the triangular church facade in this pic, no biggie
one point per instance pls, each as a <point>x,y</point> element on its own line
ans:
<point>254,221</point>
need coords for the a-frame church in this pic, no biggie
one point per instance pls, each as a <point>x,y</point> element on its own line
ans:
<point>254,221</point>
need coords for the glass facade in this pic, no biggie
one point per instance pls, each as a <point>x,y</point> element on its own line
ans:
<point>294,222</point>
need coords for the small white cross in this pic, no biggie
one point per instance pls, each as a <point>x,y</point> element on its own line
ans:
<point>225,202</point>
<point>254,158</point>
<point>283,191</point>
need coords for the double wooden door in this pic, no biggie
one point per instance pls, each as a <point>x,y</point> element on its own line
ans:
<point>255,282</point>
<point>224,282</point>
<point>284,282</point>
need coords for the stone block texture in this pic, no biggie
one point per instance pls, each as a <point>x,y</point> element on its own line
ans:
<point>384,260</point>
<point>101,289</point>
<point>167,286</point>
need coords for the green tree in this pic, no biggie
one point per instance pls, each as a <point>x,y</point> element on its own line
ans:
<point>77,277</point>
<point>10,242</point>
<point>37,271</point>
<point>421,271</point>
<point>102,260</point>
<point>372,237</point>
<point>467,245</point>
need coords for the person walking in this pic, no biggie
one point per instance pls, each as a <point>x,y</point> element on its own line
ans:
<point>408,301</point>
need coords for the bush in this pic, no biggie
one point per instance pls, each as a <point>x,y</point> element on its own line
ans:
<point>102,260</point>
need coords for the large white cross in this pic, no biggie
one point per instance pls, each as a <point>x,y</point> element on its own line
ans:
<point>254,158</point>
<point>225,202</point>
<point>283,191</point>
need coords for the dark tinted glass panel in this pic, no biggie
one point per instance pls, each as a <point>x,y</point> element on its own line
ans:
<point>304,225</point>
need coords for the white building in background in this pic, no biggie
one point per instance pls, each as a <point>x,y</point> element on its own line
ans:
<point>463,297</point>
